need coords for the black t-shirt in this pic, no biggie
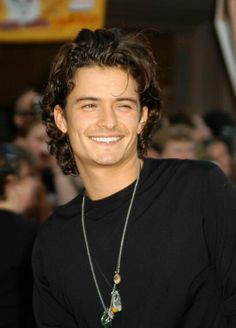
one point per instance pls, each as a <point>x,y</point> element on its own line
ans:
<point>178,264</point>
<point>17,235</point>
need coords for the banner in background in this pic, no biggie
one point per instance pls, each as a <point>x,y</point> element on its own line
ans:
<point>48,20</point>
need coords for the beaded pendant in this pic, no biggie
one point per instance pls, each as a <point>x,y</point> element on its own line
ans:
<point>115,307</point>
<point>115,304</point>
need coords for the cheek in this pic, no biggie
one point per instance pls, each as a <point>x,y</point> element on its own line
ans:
<point>131,122</point>
<point>76,129</point>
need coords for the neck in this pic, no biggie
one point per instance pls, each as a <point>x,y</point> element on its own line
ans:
<point>103,181</point>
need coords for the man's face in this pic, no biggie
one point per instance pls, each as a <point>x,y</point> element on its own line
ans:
<point>102,117</point>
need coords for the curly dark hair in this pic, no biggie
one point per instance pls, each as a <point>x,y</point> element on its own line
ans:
<point>103,48</point>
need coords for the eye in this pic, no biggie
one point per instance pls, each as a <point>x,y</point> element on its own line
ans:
<point>89,107</point>
<point>124,107</point>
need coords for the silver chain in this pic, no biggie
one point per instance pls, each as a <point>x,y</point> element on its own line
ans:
<point>121,243</point>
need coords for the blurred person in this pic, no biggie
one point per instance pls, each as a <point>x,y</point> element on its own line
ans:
<point>148,243</point>
<point>26,108</point>
<point>201,130</point>
<point>59,188</point>
<point>217,150</point>
<point>18,158</point>
<point>17,234</point>
<point>37,207</point>
<point>175,141</point>
<point>35,141</point>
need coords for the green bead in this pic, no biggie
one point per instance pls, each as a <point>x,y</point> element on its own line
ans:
<point>107,325</point>
<point>106,319</point>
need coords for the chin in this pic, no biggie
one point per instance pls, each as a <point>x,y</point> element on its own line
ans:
<point>107,161</point>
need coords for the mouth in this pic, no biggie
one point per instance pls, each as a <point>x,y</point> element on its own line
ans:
<point>106,140</point>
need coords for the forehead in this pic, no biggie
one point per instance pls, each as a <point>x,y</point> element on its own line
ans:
<point>104,81</point>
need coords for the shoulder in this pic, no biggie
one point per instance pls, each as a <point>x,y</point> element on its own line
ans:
<point>202,175</point>
<point>181,168</point>
<point>65,212</point>
<point>69,209</point>
<point>62,217</point>
<point>174,176</point>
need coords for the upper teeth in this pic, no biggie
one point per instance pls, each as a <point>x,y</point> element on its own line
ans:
<point>105,139</point>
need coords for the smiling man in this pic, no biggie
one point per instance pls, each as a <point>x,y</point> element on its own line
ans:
<point>102,119</point>
<point>148,243</point>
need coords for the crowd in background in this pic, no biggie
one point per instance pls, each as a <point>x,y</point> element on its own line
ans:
<point>186,135</point>
<point>32,185</point>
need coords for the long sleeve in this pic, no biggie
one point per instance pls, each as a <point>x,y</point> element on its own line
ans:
<point>48,311</point>
<point>219,208</point>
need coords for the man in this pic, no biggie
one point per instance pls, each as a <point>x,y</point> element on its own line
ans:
<point>149,243</point>
<point>218,151</point>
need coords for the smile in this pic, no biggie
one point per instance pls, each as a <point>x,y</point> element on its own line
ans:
<point>106,139</point>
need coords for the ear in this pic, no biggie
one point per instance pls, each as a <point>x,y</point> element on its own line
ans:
<point>143,119</point>
<point>60,119</point>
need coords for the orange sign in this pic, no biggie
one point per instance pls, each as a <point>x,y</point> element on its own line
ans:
<point>48,20</point>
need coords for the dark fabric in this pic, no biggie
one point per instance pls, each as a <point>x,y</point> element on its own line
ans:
<point>17,236</point>
<point>178,265</point>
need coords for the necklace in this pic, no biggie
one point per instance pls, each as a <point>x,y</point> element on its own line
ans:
<point>115,303</point>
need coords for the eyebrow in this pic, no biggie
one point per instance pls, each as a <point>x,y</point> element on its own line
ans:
<point>133,100</point>
<point>117,99</point>
<point>77,100</point>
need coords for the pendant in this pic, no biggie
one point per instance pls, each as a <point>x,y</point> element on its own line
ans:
<point>107,317</point>
<point>115,301</point>
<point>115,307</point>
<point>117,278</point>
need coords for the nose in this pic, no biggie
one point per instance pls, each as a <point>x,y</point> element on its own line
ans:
<point>108,118</point>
